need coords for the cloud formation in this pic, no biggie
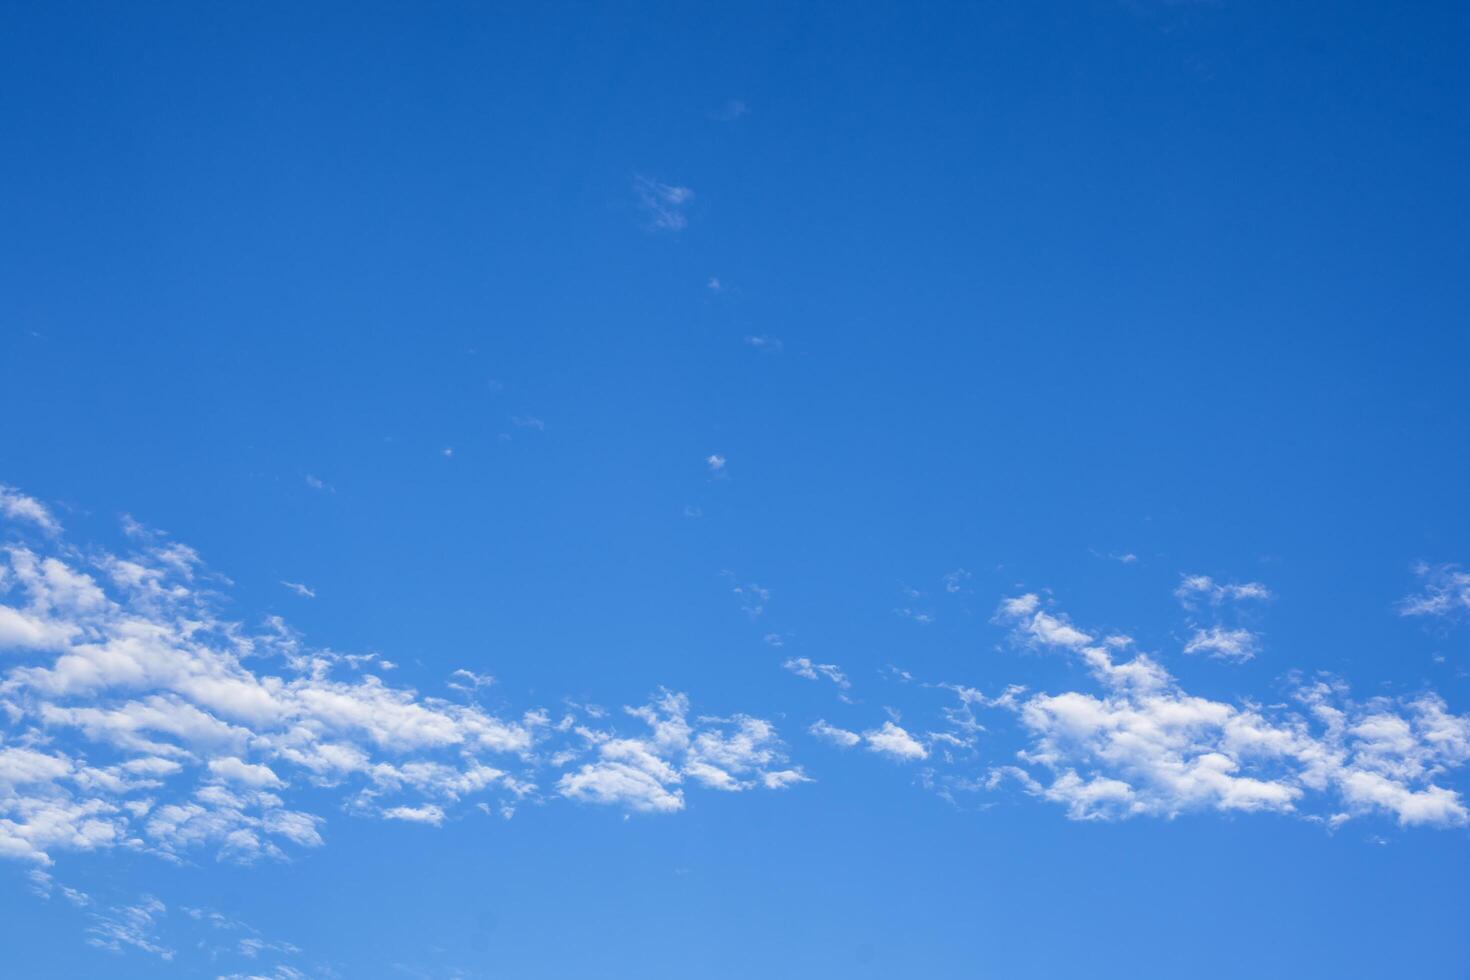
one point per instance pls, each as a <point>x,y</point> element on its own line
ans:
<point>663,203</point>
<point>132,715</point>
<point>1446,592</point>
<point>1143,745</point>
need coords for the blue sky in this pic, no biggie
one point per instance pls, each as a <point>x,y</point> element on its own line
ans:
<point>668,490</point>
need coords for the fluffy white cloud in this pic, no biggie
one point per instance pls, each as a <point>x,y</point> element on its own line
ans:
<point>1145,746</point>
<point>646,772</point>
<point>896,743</point>
<point>1223,644</point>
<point>200,726</point>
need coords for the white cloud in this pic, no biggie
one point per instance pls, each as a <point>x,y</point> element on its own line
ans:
<point>715,462</point>
<point>1195,587</point>
<point>895,742</point>
<point>1446,592</point>
<point>840,737</point>
<point>753,598</point>
<point>244,773</point>
<point>1144,746</point>
<point>16,506</point>
<point>804,667</point>
<point>299,589</point>
<point>1220,640</point>
<point>1238,645</point>
<point>468,681</point>
<point>210,725</point>
<point>429,813</point>
<point>765,344</point>
<point>134,926</point>
<point>646,772</point>
<point>664,203</point>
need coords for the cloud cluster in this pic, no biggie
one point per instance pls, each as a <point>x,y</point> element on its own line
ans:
<point>646,772</point>
<point>1232,642</point>
<point>889,739</point>
<point>1144,746</point>
<point>133,715</point>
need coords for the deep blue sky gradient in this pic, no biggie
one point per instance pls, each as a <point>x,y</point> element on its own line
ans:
<point>1051,281</point>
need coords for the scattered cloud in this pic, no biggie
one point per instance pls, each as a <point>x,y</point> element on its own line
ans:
<point>664,204</point>
<point>894,742</point>
<point>1221,639</point>
<point>840,737</point>
<point>131,926</point>
<point>753,599</point>
<point>528,422</point>
<point>715,462</point>
<point>299,589</point>
<point>428,813</point>
<point>139,718</point>
<point>1196,588</point>
<point>764,344</point>
<point>955,581</point>
<point>1144,746</point>
<point>467,681</point>
<point>804,667</point>
<point>16,506</point>
<point>1223,644</point>
<point>317,483</point>
<point>647,772</point>
<point>917,615</point>
<point>1446,592</point>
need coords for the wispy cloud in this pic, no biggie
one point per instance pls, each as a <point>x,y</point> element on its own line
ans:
<point>299,589</point>
<point>1223,644</point>
<point>804,667</point>
<point>715,463</point>
<point>732,110</point>
<point>765,344</point>
<point>753,598</point>
<point>664,204</point>
<point>840,737</point>
<point>16,506</point>
<point>1446,592</point>
<point>1194,588</point>
<point>1224,638</point>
